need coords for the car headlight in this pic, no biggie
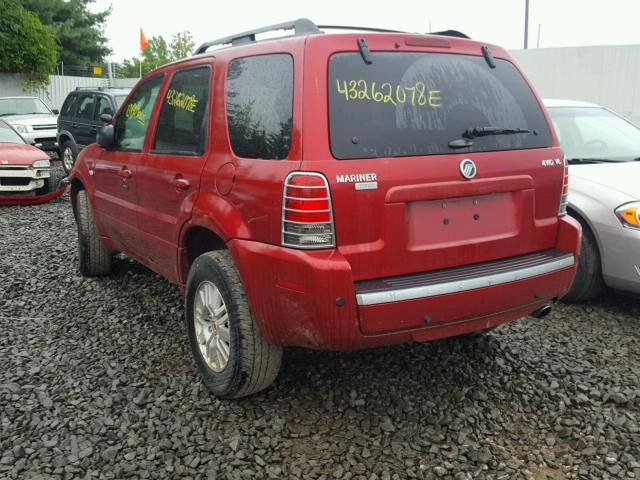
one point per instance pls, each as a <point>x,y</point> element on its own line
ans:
<point>20,127</point>
<point>41,164</point>
<point>629,214</point>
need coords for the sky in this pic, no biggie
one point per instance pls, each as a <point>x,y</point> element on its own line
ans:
<point>562,22</point>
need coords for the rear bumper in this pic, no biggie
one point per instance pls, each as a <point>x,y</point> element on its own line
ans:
<point>309,298</point>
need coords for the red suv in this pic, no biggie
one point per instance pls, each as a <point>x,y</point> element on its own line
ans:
<point>331,191</point>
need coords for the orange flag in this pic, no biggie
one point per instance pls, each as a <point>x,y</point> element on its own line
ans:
<point>144,43</point>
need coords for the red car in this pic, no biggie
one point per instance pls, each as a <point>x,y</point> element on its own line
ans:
<point>332,191</point>
<point>26,176</point>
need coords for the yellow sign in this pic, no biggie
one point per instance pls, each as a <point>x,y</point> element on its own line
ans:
<point>97,71</point>
<point>416,94</point>
<point>134,111</point>
<point>179,99</point>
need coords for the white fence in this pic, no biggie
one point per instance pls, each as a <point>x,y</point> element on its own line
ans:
<point>58,88</point>
<point>607,75</point>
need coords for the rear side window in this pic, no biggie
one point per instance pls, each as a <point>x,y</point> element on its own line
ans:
<point>68,107</point>
<point>85,108</point>
<point>260,106</point>
<point>406,104</point>
<point>133,121</point>
<point>182,125</point>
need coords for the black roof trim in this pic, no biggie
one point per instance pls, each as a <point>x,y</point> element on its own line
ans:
<point>366,29</point>
<point>451,33</point>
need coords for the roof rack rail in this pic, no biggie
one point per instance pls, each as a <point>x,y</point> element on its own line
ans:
<point>450,33</point>
<point>101,89</point>
<point>366,29</point>
<point>302,26</point>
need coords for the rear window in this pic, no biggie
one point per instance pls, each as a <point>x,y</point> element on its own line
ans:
<point>406,104</point>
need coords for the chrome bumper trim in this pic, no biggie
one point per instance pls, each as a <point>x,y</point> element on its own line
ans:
<point>457,285</point>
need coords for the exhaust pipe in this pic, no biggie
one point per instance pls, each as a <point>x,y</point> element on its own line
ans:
<point>541,312</point>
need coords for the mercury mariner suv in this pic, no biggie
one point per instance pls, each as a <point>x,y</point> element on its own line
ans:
<point>331,191</point>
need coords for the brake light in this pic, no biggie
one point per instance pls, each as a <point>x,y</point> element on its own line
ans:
<point>564,196</point>
<point>307,215</point>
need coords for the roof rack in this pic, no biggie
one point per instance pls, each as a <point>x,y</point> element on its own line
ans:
<point>301,26</point>
<point>101,89</point>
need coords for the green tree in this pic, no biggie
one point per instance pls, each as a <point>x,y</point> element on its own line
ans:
<point>26,46</point>
<point>182,45</point>
<point>80,32</point>
<point>157,54</point>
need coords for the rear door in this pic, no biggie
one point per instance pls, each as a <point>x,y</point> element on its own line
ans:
<point>414,187</point>
<point>169,176</point>
<point>116,170</point>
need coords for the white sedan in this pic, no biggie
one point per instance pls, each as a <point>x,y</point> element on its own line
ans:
<point>603,153</point>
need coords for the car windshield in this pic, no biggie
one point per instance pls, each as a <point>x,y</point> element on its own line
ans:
<point>595,133</point>
<point>8,135</point>
<point>409,103</point>
<point>23,106</point>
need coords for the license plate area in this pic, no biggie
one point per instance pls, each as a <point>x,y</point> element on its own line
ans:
<point>454,221</point>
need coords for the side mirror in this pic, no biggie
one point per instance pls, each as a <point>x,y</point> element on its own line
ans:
<point>106,118</point>
<point>106,137</point>
<point>55,111</point>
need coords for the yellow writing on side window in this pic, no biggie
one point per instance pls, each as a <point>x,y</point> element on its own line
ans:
<point>415,94</point>
<point>134,111</point>
<point>179,99</point>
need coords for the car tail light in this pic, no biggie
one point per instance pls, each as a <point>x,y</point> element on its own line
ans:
<point>564,196</point>
<point>307,215</point>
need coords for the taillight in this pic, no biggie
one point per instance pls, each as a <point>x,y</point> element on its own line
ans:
<point>564,196</point>
<point>307,216</point>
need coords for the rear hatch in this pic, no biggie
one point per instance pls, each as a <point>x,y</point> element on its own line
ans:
<point>414,187</point>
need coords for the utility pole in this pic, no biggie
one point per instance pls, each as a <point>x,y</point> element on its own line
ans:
<point>538,42</point>
<point>526,24</point>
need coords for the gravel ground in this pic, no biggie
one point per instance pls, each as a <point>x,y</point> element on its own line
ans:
<point>100,384</point>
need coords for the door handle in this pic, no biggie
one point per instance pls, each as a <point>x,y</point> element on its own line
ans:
<point>180,184</point>
<point>125,173</point>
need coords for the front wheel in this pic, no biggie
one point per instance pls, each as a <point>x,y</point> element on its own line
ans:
<point>94,259</point>
<point>232,357</point>
<point>68,155</point>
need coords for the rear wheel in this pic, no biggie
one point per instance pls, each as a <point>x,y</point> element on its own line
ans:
<point>231,354</point>
<point>94,259</point>
<point>588,282</point>
<point>68,155</point>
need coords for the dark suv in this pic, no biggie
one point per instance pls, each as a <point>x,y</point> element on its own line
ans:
<point>79,119</point>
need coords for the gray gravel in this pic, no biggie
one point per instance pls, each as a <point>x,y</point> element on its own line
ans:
<point>98,382</point>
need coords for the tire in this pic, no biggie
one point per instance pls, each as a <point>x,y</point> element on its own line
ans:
<point>53,182</point>
<point>588,282</point>
<point>95,261</point>
<point>252,363</point>
<point>68,154</point>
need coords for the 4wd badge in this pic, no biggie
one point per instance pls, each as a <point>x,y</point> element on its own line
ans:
<point>468,168</point>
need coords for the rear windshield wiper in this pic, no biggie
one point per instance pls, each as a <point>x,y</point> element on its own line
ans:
<point>475,132</point>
